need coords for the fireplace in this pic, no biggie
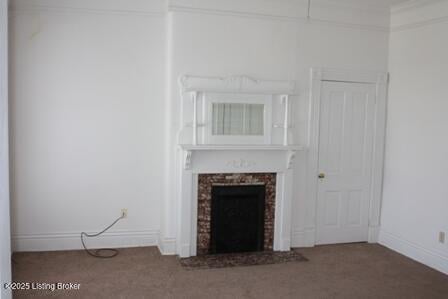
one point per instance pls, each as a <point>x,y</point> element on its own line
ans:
<point>235,212</point>
<point>234,131</point>
<point>237,223</point>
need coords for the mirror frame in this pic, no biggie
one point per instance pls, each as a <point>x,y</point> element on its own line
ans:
<point>230,98</point>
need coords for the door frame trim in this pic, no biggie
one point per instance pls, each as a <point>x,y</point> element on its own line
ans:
<point>317,77</point>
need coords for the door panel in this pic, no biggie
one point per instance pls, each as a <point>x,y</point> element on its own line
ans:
<point>354,207</point>
<point>345,157</point>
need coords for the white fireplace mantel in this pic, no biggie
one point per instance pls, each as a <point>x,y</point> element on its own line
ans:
<point>189,150</point>
<point>235,159</point>
<point>197,157</point>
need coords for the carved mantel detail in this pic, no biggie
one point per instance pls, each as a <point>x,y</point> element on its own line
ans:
<point>290,159</point>
<point>187,159</point>
<point>241,163</point>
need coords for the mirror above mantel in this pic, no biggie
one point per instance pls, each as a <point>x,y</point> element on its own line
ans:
<point>236,111</point>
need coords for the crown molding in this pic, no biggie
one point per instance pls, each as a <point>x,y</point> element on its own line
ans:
<point>284,9</point>
<point>288,11</point>
<point>279,18</point>
<point>286,4</point>
<point>412,4</point>
<point>354,5</point>
<point>92,7</point>
<point>416,25</point>
<point>418,13</point>
<point>71,10</point>
<point>354,26</point>
<point>235,13</point>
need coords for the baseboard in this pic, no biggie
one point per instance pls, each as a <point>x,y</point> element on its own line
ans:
<point>414,251</point>
<point>71,241</point>
<point>303,238</point>
<point>167,246</point>
<point>184,250</point>
<point>373,234</point>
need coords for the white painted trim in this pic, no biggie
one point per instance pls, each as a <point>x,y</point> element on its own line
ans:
<point>315,21</point>
<point>290,157</point>
<point>188,156</point>
<point>417,14</point>
<point>412,4</point>
<point>238,89</point>
<point>373,234</point>
<point>354,5</point>
<point>167,246</point>
<point>379,141</point>
<point>194,215</point>
<point>416,252</point>
<point>286,122</point>
<point>416,25</point>
<point>278,18</point>
<point>167,238</point>
<point>210,98</point>
<point>230,161</point>
<point>241,147</point>
<point>72,241</point>
<point>234,13</point>
<point>65,10</point>
<point>31,6</point>
<point>58,8</point>
<point>290,7</point>
<point>282,218</point>
<point>344,75</point>
<point>303,238</point>
<point>5,233</point>
<point>380,79</point>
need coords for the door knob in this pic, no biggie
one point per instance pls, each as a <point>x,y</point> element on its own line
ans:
<point>321,175</point>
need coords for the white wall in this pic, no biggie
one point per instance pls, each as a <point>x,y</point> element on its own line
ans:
<point>415,198</point>
<point>5,249</point>
<point>87,108</point>
<point>96,107</point>
<point>271,40</point>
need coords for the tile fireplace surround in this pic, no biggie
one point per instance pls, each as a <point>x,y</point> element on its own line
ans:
<point>203,165</point>
<point>205,184</point>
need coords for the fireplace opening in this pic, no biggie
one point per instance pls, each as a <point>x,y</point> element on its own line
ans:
<point>237,218</point>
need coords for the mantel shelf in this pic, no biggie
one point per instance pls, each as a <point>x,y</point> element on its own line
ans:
<point>189,147</point>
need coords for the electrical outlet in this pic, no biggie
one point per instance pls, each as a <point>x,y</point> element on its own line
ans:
<point>442,237</point>
<point>124,213</point>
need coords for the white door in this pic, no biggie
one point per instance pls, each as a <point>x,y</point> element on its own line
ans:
<point>345,162</point>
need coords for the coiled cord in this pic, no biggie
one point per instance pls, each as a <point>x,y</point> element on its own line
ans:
<point>97,252</point>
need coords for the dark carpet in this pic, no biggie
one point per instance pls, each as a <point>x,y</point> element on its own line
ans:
<point>339,271</point>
